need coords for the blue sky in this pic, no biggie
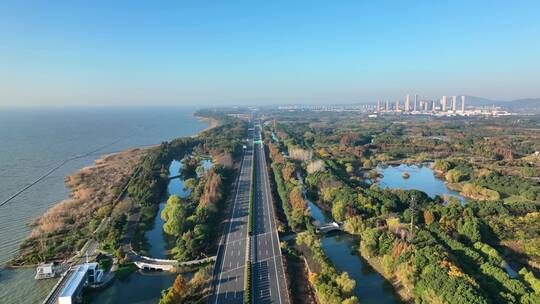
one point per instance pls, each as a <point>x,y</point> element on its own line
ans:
<point>262,52</point>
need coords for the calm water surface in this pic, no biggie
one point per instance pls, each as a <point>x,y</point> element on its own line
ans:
<point>342,250</point>
<point>421,178</point>
<point>158,241</point>
<point>32,141</point>
<point>371,287</point>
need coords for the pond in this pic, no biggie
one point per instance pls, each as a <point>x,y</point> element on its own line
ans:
<point>420,178</point>
<point>371,287</point>
<point>138,287</point>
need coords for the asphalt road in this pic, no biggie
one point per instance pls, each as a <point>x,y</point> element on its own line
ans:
<point>268,276</point>
<point>229,272</point>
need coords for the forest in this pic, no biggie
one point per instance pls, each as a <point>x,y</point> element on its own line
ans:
<point>455,251</point>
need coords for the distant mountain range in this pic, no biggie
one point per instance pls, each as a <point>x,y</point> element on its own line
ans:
<point>526,105</point>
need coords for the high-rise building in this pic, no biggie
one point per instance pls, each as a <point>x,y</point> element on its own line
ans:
<point>378,106</point>
<point>407,103</point>
<point>425,105</point>
<point>415,101</point>
<point>443,104</point>
<point>397,105</point>
<point>454,101</point>
<point>463,104</point>
<point>387,105</point>
<point>434,106</point>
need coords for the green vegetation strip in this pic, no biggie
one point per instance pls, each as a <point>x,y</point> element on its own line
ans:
<point>247,293</point>
<point>251,197</point>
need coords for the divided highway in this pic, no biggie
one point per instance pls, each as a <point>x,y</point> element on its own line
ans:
<point>268,283</point>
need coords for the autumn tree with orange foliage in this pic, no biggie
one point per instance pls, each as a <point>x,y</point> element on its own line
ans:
<point>212,190</point>
<point>297,199</point>
<point>288,172</point>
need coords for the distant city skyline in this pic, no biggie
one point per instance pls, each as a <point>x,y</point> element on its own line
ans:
<point>192,53</point>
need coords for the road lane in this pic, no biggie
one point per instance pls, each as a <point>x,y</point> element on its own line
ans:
<point>268,274</point>
<point>229,272</point>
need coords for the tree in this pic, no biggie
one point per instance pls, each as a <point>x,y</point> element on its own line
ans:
<point>174,214</point>
<point>355,225</point>
<point>297,199</point>
<point>345,282</point>
<point>288,172</point>
<point>455,176</point>
<point>429,217</point>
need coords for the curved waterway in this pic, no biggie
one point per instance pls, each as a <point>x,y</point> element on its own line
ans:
<point>159,243</point>
<point>342,250</point>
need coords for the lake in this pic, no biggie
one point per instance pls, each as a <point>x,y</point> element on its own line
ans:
<point>35,140</point>
<point>420,178</point>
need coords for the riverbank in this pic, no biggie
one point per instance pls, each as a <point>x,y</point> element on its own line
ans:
<point>405,295</point>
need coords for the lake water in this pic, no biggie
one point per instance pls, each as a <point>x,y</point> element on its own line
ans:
<point>420,178</point>
<point>32,141</point>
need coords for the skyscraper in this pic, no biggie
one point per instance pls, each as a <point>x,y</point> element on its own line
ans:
<point>415,101</point>
<point>407,103</point>
<point>397,105</point>
<point>378,106</point>
<point>434,106</point>
<point>443,104</point>
<point>454,101</point>
<point>387,105</point>
<point>463,104</point>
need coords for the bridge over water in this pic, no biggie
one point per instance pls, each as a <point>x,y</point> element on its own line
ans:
<point>148,263</point>
<point>328,227</point>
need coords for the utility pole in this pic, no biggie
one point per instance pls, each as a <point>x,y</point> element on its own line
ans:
<point>413,214</point>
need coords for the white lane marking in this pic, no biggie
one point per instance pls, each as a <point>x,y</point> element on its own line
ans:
<point>229,231</point>
<point>269,220</point>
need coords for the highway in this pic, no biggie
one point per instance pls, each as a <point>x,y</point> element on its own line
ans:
<point>268,284</point>
<point>268,275</point>
<point>229,271</point>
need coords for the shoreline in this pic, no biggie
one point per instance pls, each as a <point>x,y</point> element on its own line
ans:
<point>75,188</point>
<point>398,289</point>
<point>90,186</point>
<point>211,121</point>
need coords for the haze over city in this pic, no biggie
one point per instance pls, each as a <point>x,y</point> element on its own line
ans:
<point>69,53</point>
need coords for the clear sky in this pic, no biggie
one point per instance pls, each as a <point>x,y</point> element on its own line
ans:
<point>263,52</point>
